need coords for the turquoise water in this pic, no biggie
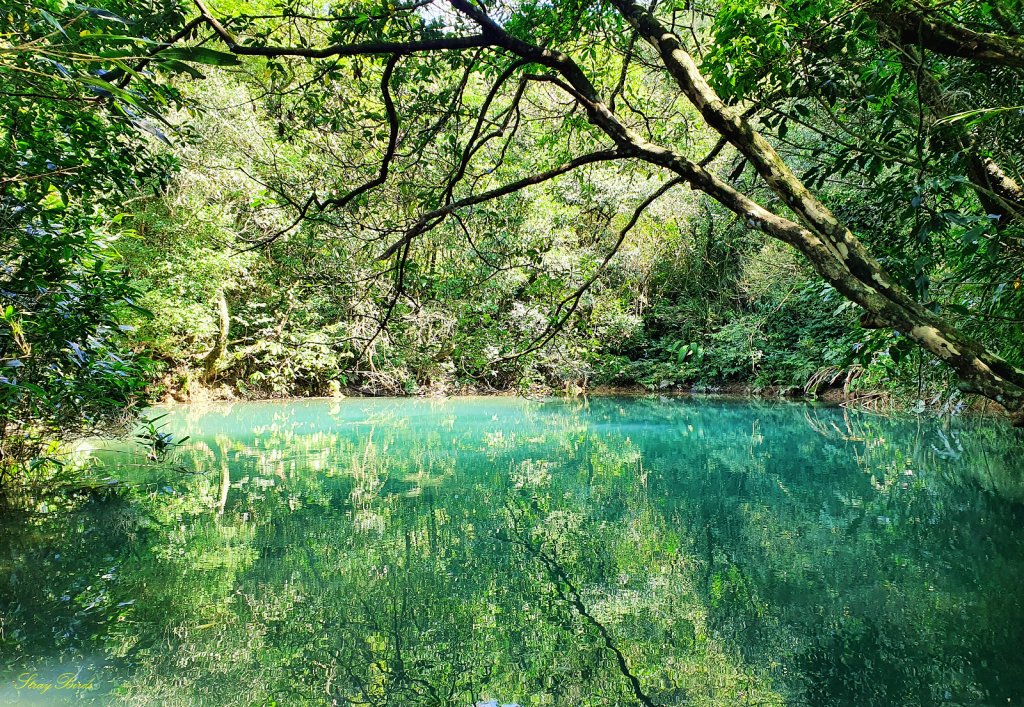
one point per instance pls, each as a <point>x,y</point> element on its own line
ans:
<point>495,551</point>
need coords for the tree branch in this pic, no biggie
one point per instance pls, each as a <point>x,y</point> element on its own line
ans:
<point>573,300</point>
<point>950,39</point>
<point>356,49</point>
<point>382,174</point>
<point>421,224</point>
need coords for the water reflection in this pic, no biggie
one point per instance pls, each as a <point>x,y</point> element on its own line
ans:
<point>497,551</point>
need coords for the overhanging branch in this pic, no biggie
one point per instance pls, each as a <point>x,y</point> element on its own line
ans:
<point>440,213</point>
<point>353,49</point>
<point>382,174</point>
<point>942,37</point>
<point>568,306</point>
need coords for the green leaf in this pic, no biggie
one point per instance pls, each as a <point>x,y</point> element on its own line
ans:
<point>200,55</point>
<point>973,235</point>
<point>103,14</point>
<point>978,115</point>
<point>151,129</point>
<point>35,389</point>
<point>958,309</point>
<point>53,21</point>
<point>173,66</point>
<point>148,314</point>
<point>115,38</point>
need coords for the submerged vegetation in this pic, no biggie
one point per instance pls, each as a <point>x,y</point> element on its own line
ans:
<point>264,199</point>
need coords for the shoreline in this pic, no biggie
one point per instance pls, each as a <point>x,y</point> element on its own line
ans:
<point>873,402</point>
<point>730,390</point>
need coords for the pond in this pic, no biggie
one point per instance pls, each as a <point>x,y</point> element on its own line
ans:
<point>498,551</point>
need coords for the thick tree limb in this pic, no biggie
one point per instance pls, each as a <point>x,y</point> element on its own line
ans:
<point>925,28</point>
<point>998,193</point>
<point>833,251</point>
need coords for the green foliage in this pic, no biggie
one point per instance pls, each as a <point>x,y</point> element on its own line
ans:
<point>234,210</point>
<point>687,302</point>
<point>884,130</point>
<point>70,155</point>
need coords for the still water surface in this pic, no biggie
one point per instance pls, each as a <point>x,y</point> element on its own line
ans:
<point>504,552</point>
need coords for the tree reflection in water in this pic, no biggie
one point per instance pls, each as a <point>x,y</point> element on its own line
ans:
<point>497,551</point>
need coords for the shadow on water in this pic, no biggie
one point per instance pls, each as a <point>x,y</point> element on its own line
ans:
<point>619,551</point>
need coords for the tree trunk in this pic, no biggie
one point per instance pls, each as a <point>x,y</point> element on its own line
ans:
<point>220,347</point>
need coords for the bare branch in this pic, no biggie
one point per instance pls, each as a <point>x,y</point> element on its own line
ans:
<point>573,300</point>
<point>382,175</point>
<point>472,146</point>
<point>424,223</point>
<point>356,49</point>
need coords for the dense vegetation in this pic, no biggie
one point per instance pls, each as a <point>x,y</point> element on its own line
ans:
<point>269,199</point>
